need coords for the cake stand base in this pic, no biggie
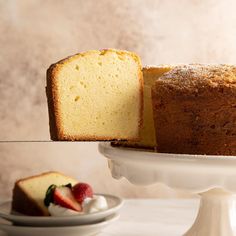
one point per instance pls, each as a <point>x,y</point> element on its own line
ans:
<point>216,216</point>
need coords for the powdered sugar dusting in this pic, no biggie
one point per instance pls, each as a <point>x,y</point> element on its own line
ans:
<point>201,74</point>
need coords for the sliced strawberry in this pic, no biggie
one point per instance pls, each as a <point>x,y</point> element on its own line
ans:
<point>63,196</point>
<point>82,191</point>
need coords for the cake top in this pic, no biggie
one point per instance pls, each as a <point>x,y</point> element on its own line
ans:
<point>152,73</point>
<point>156,68</point>
<point>199,75</point>
<point>45,175</point>
<point>120,53</point>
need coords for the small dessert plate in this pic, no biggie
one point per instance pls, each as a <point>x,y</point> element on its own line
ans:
<point>114,204</point>
<point>79,230</point>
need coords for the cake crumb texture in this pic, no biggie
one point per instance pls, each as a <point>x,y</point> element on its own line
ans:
<point>147,132</point>
<point>96,95</point>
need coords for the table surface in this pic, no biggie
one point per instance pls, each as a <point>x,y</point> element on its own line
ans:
<point>159,217</point>
<point>162,217</point>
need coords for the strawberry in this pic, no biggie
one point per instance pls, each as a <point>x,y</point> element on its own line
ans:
<point>63,196</point>
<point>82,191</point>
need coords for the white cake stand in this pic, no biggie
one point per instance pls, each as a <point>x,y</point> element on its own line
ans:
<point>213,177</point>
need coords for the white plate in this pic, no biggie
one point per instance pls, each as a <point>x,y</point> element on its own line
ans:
<point>80,230</point>
<point>114,204</point>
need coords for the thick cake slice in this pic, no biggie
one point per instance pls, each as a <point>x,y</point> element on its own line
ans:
<point>96,95</point>
<point>147,132</point>
<point>195,110</point>
<point>29,193</point>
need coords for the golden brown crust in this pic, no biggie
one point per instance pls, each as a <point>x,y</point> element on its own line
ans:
<point>56,131</point>
<point>51,105</point>
<point>194,110</point>
<point>141,97</point>
<point>39,175</point>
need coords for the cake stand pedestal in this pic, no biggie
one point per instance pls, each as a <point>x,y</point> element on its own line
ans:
<point>212,177</point>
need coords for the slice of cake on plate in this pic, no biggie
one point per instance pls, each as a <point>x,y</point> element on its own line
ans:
<point>54,194</point>
<point>96,95</point>
<point>29,193</point>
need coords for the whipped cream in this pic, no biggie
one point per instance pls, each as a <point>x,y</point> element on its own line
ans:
<point>89,205</point>
<point>97,203</point>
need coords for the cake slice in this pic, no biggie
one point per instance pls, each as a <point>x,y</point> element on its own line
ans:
<point>147,132</point>
<point>195,110</point>
<point>29,193</point>
<point>96,95</point>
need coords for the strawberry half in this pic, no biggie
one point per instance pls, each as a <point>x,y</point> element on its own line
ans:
<point>63,196</point>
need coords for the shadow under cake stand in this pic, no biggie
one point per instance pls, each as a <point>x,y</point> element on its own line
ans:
<point>212,177</point>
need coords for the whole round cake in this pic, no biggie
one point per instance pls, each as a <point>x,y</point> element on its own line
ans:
<point>194,108</point>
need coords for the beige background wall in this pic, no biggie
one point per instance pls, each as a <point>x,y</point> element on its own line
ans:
<point>36,33</point>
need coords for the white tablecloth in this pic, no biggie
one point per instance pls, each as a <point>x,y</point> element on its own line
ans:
<point>153,217</point>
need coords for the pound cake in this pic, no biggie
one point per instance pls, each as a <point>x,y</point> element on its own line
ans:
<point>147,131</point>
<point>29,193</point>
<point>96,95</point>
<point>194,109</point>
